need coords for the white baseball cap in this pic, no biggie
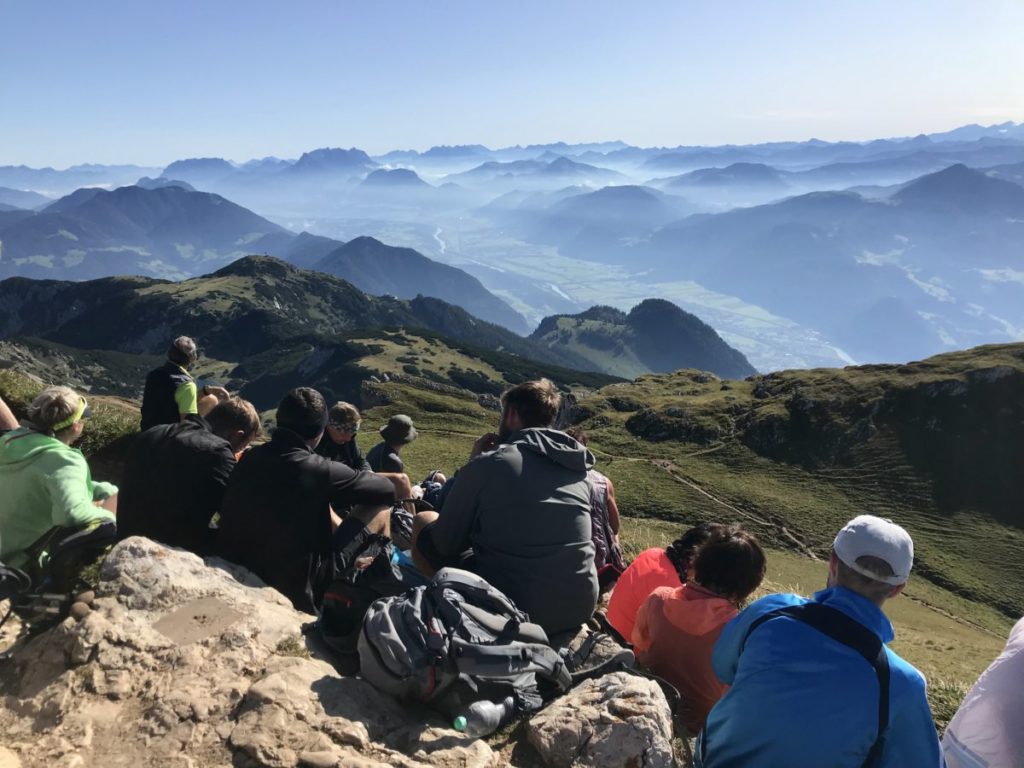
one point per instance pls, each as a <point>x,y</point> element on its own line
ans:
<point>867,535</point>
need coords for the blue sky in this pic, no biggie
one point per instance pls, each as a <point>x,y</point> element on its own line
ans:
<point>149,82</point>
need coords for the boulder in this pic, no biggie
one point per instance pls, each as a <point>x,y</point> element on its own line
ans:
<point>616,721</point>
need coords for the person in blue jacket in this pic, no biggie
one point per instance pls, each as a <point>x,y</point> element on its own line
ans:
<point>807,683</point>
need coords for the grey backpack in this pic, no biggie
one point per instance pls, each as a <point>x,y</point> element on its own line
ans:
<point>456,641</point>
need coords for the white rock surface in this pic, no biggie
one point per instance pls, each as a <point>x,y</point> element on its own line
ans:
<point>616,721</point>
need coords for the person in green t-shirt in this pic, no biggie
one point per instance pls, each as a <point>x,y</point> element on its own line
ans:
<point>49,494</point>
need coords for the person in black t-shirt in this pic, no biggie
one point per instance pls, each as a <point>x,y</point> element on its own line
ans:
<point>398,432</point>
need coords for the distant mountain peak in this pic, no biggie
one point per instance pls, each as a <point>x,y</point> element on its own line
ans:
<point>965,189</point>
<point>197,166</point>
<point>394,177</point>
<point>742,173</point>
<point>149,183</point>
<point>257,266</point>
<point>333,159</point>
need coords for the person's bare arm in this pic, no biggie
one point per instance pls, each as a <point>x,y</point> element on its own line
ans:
<point>613,509</point>
<point>7,420</point>
<point>403,486</point>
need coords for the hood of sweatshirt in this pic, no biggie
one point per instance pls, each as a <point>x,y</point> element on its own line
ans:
<point>697,611</point>
<point>22,445</point>
<point>556,446</point>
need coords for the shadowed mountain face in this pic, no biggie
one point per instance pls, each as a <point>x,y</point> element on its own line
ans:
<point>656,336</point>
<point>381,269</point>
<point>245,308</point>
<point>168,232</point>
<point>172,231</point>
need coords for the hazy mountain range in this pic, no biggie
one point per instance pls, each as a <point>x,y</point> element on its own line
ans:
<point>797,253</point>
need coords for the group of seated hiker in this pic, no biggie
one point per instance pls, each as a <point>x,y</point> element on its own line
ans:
<point>783,681</point>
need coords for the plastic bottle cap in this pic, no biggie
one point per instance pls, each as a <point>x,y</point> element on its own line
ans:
<point>460,724</point>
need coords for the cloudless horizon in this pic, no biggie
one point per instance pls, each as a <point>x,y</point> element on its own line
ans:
<point>117,81</point>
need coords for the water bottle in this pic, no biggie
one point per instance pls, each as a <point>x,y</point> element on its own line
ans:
<point>484,717</point>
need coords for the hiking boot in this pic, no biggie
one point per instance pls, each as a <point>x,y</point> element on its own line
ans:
<point>594,654</point>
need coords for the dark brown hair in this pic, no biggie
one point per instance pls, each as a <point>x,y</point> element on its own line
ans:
<point>303,411</point>
<point>731,563</point>
<point>681,551</point>
<point>536,402</point>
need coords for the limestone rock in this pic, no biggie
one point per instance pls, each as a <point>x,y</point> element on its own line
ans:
<point>616,721</point>
<point>183,662</point>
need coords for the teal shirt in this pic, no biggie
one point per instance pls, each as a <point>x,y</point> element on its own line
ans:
<point>45,485</point>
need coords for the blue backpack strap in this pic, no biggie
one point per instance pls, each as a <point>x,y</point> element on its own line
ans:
<point>851,633</point>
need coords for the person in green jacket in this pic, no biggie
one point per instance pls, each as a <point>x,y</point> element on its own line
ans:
<point>49,498</point>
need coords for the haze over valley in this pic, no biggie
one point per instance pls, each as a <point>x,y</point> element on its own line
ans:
<point>800,254</point>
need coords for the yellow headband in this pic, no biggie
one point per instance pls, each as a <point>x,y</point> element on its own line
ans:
<point>79,411</point>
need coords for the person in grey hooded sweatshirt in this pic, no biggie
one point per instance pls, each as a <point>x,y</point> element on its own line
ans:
<point>518,514</point>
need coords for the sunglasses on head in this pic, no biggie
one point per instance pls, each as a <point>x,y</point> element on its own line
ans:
<point>349,428</point>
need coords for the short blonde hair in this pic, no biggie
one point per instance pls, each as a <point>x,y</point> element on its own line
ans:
<point>872,589</point>
<point>235,415</point>
<point>343,413</point>
<point>52,406</point>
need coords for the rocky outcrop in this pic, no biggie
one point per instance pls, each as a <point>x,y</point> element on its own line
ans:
<point>183,663</point>
<point>198,664</point>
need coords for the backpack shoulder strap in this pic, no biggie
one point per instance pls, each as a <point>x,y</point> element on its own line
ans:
<point>851,633</point>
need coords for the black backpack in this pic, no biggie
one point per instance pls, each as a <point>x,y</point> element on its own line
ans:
<point>350,581</point>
